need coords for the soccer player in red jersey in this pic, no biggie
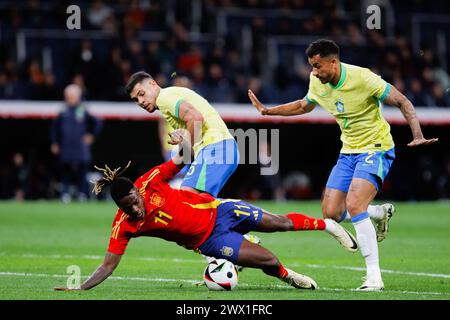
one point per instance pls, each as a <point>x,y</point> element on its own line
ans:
<point>200,222</point>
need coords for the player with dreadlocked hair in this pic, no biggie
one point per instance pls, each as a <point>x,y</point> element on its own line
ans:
<point>119,186</point>
<point>198,221</point>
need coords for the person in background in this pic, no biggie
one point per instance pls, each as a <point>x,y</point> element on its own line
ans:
<point>72,134</point>
<point>20,175</point>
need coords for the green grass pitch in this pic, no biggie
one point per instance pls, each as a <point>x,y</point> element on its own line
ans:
<point>40,240</point>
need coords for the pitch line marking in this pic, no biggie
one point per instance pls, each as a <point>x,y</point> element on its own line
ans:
<point>25,274</point>
<point>317,266</point>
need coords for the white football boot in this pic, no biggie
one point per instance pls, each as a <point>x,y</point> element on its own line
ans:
<point>371,285</point>
<point>382,225</point>
<point>345,238</point>
<point>299,281</point>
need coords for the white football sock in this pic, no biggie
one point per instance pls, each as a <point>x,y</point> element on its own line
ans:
<point>367,240</point>
<point>375,212</point>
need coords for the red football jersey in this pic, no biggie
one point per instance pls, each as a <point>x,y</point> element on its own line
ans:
<point>175,215</point>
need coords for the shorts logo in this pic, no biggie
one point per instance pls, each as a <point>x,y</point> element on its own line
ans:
<point>339,106</point>
<point>191,170</point>
<point>157,200</point>
<point>227,251</point>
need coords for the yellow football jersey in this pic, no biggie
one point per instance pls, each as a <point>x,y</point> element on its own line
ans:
<point>355,102</point>
<point>213,128</point>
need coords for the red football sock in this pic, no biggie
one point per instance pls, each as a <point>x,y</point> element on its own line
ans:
<point>302,222</point>
<point>282,272</point>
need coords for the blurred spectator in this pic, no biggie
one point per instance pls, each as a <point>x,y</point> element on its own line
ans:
<point>97,13</point>
<point>20,173</point>
<point>34,17</point>
<point>297,185</point>
<point>72,134</point>
<point>181,81</point>
<point>85,62</point>
<point>114,79</point>
<point>46,90</point>
<point>135,54</point>
<point>162,80</point>
<point>153,59</point>
<point>440,97</point>
<point>155,16</point>
<point>189,60</point>
<point>416,94</point>
<point>109,25</point>
<point>36,79</point>
<point>219,89</point>
<point>135,14</point>
<point>231,48</point>
<point>198,80</point>
<point>78,79</point>
<point>264,94</point>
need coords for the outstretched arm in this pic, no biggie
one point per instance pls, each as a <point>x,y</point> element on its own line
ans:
<point>110,263</point>
<point>293,108</point>
<point>396,98</point>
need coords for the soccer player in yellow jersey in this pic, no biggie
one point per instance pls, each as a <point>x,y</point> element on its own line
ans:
<point>353,95</point>
<point>216,151</point>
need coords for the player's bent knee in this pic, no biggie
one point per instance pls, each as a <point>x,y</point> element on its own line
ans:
<point>331,212</point>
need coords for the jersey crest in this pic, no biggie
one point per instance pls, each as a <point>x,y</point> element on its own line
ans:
<point>339,106</point>
<point>157,200</point>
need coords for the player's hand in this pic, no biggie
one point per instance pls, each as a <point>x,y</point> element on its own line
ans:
<point>178,136</point>
<point>258,105</point>
<point>422,142</point>
<point>65,289</point>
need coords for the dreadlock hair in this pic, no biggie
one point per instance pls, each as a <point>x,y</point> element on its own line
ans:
<point>119,186</point>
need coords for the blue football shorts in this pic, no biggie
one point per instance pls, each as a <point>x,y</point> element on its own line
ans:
<point>372,166</point>
<point>212,167</point>
<point>234,219</point>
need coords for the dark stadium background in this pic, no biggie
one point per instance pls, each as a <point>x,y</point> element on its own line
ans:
<point>224,47</point>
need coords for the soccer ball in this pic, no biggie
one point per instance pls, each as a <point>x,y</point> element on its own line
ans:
<point>220,275</point>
